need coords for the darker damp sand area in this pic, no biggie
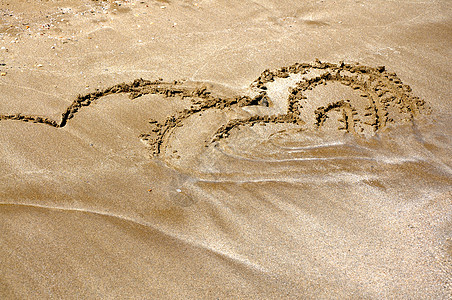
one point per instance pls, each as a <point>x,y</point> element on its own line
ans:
<point>222,174</point>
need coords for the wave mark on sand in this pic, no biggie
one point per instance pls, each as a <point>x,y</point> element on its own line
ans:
<point>234,258</point>
<point>383,99</point>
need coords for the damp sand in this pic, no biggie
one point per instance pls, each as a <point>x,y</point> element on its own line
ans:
<point>152,149</point>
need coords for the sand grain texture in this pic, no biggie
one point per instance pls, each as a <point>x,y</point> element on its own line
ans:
<point>225,149</point>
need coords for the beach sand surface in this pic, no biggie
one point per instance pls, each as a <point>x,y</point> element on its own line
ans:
<point>225,149</point>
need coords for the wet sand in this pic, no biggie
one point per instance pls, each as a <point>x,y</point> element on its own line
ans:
<point>218,149</point>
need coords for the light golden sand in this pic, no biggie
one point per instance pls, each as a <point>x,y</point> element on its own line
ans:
<point>231,182</point>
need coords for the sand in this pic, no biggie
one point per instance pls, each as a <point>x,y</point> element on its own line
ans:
<point>225,149</point>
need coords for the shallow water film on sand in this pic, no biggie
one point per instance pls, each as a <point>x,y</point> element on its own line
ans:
<point>225,150</point>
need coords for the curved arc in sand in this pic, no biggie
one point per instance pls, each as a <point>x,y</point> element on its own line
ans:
<point>382,89</point>
<point>380,84</point>
<point>137,88</point>
<point>235,259</point>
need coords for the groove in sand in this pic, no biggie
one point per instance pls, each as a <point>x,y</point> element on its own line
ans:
<point>387,97</point>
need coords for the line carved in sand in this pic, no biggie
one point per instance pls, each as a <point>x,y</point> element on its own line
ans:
<point>386,96</point>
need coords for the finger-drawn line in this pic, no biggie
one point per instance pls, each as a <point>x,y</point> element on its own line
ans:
<point>388,100</point>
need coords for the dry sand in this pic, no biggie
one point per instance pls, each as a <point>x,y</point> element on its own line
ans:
<point>225,149</point>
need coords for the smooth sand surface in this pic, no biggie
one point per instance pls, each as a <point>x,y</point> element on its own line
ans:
<point>225,149</point>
